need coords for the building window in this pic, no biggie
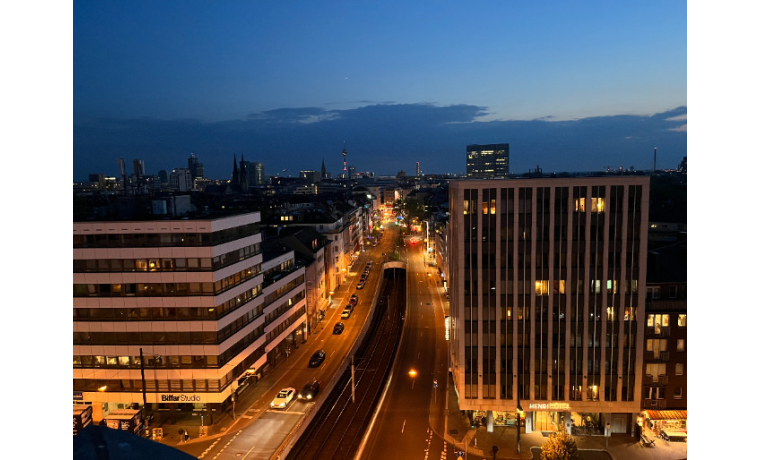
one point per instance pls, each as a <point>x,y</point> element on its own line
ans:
<point>612,286</point>
<point>466,206</point>
<point>653,293</point>
<point>679,368</point>
<point>678,393</point>
<point>559,286</point>
<point>580,205</point>
<point>681,345</point>
<point>542,287</point>
<point>597,204</point>
<point>681,320</point>
<point>673,292</point>
<point>658,321</point>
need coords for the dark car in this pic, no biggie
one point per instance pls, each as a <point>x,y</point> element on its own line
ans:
<point>317,358</point>
<point>338,328</point>
<point>353,300</point>
<point>309,392</point>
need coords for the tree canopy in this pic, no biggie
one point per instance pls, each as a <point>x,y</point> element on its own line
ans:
<point>560,446</point>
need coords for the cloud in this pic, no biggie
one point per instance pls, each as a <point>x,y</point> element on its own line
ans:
<point>383,138</point>
<point>677,118</point>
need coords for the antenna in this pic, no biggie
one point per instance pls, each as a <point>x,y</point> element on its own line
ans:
<point>655,160</point>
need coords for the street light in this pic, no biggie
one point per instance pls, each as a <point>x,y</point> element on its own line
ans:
<point>412,374</point>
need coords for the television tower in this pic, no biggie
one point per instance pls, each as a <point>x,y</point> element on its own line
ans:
<point>345,170</point>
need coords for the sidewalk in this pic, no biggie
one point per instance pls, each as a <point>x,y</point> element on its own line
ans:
<point>223,422</point>
<point>479,441</point>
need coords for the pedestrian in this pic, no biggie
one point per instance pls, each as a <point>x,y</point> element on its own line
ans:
<point>187,435</point>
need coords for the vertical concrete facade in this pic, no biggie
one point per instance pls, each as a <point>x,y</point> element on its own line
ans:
<point>547,283</point>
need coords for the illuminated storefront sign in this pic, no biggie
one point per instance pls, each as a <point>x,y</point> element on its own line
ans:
<point>180,398</point>
<point>549,406</point>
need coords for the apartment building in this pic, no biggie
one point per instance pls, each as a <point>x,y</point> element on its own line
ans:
<point>547,289</point>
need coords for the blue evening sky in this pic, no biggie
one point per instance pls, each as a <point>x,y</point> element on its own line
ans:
<point>223,67</point>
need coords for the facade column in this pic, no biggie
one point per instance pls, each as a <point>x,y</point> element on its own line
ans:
<point>489,421</point>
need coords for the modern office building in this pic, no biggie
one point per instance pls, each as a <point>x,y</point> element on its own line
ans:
<point>487,161</point>
<point>181,179</point>
<point>255,173</point>
<point>183,301</point>
<point>195,167</point>
<point>547,290</point>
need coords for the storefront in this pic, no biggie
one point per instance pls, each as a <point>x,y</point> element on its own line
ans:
<point>666,424</point>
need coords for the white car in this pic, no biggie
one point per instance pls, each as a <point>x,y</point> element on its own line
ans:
<point>283,398</point>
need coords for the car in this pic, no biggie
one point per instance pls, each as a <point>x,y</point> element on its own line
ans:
<point>338,328</point>
<point>283,398</point>
<point>317,358</point>
<point>360,285</point>
<point>353,300</point>
<point>346,313</point>
<point>309,392</point>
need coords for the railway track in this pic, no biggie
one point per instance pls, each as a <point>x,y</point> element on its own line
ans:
<point>336,431</point>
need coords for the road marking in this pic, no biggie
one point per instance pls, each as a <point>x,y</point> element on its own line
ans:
<point>249,451</point>
<point>403,426</point>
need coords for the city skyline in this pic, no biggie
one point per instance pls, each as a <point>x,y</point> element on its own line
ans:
<point>570,87</point>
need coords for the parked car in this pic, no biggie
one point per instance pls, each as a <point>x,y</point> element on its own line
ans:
<point>353,300</point>
<point>360,285</point>
<point>309,392</point>
<point>346,313</point>
<point>283,398</point>
<point>317,358</point>
<point>338,328</point>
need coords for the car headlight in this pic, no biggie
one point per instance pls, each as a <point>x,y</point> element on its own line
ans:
<point>300,395</point>
<point>308,397</point>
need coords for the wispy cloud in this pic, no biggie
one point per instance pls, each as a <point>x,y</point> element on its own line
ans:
<point>677,118</point>
<point>680,129</point>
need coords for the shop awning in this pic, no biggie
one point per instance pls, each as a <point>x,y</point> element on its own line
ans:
<point>666,414</point>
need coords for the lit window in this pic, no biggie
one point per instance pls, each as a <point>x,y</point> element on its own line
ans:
<point>580,205</point>
<point>542,287</point>
<point>612,286</point>
<point>493,206</point>
<point>597,204</point>
<point>559,286</point>
<point>681,320</point>
<point>665,320</point>
<point>679,368</point>
<point>681,345</point>
<point>485,207</point>
<point>466,206</point>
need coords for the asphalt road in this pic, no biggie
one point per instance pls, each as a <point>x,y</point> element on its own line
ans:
<point>259,430</point>
<point>410,423</point>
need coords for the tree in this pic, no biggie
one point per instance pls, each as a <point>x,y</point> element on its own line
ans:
<point>560,446</point>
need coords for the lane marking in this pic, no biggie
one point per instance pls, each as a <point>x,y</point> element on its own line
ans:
<point>403,426</point>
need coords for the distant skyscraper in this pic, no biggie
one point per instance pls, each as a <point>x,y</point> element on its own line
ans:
<point>255,173</point>
<point>352,172</point>
<point>491,160</point>
<point>195,167</point>
<point>324,171</point>
<point>418,169</point>
<point>139,167</point>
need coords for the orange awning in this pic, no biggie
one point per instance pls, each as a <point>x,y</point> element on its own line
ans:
<point>666,414</point>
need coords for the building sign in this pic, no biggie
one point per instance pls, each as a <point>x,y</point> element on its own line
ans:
<point>549,406</point>
<point>447,320</point>
<point>180,398</point>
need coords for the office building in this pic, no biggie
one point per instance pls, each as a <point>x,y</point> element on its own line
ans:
<point>195,167</point>
<point>547,288</point>
<point>181,179</point>
<point>183,300</point>
<point>255,173</point>
<point>486,161</point>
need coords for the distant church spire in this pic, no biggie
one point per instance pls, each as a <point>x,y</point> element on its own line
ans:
<point>243,175</point>
<point>324,171</point>
<point>235,174</point>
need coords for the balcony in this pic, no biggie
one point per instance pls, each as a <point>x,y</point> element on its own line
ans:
<point>651,356</point>
<point>659,380</point>
<point>658,331</point>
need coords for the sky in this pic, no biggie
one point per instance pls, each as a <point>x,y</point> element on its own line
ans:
<point>571,86</point>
